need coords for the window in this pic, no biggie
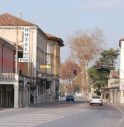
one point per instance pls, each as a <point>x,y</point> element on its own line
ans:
<point>26,39</point>
<point>26,44</point>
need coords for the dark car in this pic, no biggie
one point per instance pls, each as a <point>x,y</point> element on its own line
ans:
<point>69,98</point>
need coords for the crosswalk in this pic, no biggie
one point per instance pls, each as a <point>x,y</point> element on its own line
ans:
<point>32,119</point>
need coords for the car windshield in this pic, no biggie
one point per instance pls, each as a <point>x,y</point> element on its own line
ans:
<point>69,96</point>
<point>96,97</point>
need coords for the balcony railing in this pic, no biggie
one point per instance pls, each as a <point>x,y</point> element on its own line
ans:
<point>8,77</point>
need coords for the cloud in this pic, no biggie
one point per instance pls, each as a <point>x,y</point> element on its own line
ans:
<point>96,5</point>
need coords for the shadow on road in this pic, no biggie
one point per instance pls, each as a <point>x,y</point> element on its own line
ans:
<point>57,104</point>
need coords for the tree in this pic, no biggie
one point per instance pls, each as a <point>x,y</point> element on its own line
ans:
<point>68,71</point>
<point>85,46</point>
<point>99,75</point>
<point>98,78</point>
<point>109,56</point>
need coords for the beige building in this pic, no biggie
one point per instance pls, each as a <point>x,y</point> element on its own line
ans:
<point>121,69</point>
<point>34,43</point>
<point>113,85</point>
<point>53,59</point>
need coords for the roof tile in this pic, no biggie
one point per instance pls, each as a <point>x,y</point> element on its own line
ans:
<point>7,19</point>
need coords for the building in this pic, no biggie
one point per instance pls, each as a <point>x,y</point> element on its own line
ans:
<point>121,76</point>
<point>34,42</point>
<point>113,86</point>
<point>53,59</point>
<point>8,80</point>
<point>7,57</point>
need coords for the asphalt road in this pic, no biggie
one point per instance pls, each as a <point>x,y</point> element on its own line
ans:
<point>62,114</point>
<point>93,116</point>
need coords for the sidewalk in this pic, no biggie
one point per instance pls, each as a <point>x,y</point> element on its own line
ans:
<point>119,106</point>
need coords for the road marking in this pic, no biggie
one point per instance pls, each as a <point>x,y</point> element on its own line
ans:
<point>31,119</point>
<point>121,122</point>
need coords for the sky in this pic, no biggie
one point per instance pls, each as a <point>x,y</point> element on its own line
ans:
<point>64,17</point>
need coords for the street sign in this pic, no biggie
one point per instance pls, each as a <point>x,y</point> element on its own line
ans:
<point>25,60</point>
<point>45,66</point>
<point>26,40</point>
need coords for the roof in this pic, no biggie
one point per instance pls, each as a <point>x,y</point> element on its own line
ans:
<point>7,19</point>
<point>120,41</point>
<point>54,38</point>
<point>4,41</point>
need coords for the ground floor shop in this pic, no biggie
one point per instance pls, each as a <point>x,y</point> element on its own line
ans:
<point>14,91</point>
<point>47,90</point>
<point>111,95</point>
<point>22,91</point>
<point>6,96</point>
<point>114,95</point>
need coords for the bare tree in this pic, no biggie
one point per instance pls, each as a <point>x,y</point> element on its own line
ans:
<point>85,46</point>
<point>68,71</point>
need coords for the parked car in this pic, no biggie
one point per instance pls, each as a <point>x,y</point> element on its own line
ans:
<point>96,100</point>
<point>69,98</point>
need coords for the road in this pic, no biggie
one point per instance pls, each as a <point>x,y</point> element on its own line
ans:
<point>62,114</point>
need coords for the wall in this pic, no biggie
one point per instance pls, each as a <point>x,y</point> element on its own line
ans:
<point>6,58</point>
<point>122,72</point>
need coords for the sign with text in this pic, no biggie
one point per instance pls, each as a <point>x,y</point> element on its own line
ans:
<point>26,40</point>
<point>45,66</point>
<point>25,60</point>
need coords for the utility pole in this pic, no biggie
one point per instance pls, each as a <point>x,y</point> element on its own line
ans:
<point>16,65</point>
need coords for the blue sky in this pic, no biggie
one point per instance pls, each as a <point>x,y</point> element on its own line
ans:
<point>63,17</point>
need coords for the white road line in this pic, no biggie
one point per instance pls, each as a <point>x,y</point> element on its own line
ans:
<point>34,118</point>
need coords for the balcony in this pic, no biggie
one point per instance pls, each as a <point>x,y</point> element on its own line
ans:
<point>8,77</point>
